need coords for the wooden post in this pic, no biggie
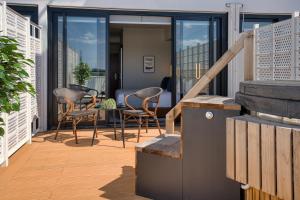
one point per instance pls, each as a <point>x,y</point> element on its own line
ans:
<point>205,79</point>
<point>248,58</point>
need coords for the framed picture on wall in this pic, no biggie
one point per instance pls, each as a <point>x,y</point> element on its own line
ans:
<point>149,64</point>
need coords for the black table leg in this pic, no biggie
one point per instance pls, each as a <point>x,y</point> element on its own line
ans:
<point>114,116</point>
<point>122,123</point>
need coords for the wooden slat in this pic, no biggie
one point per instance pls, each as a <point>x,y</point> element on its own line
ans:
<point>254,171</point>
<point>230,148</point>
<point>284,162</point>
<point>206,78</point>
<point>296,160</point>
<point>241,151</point>
<point>268,159</point>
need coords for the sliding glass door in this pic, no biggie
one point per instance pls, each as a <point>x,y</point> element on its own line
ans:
<point>82,43</point>
<point>197,47</point>
<point>79,45</point>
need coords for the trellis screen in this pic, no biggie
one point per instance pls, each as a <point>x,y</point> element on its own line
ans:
<point>277,51</point>
<point>19,126</point>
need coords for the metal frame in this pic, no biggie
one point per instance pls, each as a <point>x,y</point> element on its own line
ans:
<point>52,73</point>
<point>261,18</point>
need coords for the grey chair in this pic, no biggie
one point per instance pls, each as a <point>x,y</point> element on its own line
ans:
<point>66,99</point>
<point>148,110</point>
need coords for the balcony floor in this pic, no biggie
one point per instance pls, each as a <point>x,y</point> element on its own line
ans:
<point>49,169</point>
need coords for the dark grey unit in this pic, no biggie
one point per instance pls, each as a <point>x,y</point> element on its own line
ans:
<point>193,165</point>
<point>158,177</point>
<point>288,90</point>
<point>204,155</point>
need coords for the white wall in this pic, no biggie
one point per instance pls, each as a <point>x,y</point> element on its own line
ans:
<point>255,6</point>
<point>139,42</point>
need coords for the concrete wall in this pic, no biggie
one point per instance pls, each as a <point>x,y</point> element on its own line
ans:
<point>139,42</point>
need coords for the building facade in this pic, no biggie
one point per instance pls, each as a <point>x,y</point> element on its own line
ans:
<point>184,38</point>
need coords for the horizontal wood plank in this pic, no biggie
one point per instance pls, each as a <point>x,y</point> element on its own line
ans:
<point>289,90</point>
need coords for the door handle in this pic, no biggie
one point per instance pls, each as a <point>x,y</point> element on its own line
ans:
<point>198,73</point>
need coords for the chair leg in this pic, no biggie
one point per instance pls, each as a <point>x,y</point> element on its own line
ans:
<point>114,116</point>
<point>95,128</point>
<point>147,124</point>
<point>57,129</point>
<point>122,118</point>
<point>157,124</point>
<point>140,125</point>
<point>75,131</point>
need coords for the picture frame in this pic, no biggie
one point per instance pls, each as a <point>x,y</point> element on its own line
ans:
<point>149,64</point>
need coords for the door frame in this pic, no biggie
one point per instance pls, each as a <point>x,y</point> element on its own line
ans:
<point>52,73</point>
<point>221,83</point>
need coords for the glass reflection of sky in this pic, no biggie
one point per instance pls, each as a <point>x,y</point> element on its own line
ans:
<point>192,33</point>
<point>86,35</point>
<point>247,26</point>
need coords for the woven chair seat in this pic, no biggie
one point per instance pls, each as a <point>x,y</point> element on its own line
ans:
<point>135,112</point>
<point>81,113</point>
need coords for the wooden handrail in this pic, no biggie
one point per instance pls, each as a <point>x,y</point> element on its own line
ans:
<point>206,78</point>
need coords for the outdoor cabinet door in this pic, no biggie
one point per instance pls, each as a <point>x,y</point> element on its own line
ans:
<point>204,156</point>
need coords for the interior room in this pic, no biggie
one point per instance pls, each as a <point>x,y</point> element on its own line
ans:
<point>140,57</point>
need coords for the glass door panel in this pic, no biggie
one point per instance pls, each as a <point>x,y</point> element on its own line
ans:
<point>86,44</point>
<point>192,54</point>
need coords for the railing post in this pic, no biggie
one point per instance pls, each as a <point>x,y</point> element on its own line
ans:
<point>5,138</point>
<point>248,58</point>
<point>28,101</point>
<point>206,79</point>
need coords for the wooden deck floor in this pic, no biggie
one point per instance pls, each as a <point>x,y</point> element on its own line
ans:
<point>49,169</point>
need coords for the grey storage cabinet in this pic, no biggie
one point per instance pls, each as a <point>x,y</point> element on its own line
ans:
<point>204,151</point>
<point>191,166</point>
<point>159,168</point>
<point>158,177</point>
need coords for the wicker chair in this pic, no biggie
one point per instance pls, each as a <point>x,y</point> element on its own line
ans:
<point>90,98</point>
<point>147,95</point>
<point>66,99</point>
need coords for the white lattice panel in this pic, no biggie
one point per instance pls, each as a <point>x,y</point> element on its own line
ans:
<point>1,150</point>
<point>18,124</point>
<point>38,68</point>
<point>277,51</point>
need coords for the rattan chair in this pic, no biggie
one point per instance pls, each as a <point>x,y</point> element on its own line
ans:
<point>90,98</point>
<point>147,96</point>
<point>66,99</point>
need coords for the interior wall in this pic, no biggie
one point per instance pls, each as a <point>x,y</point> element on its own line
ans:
<point>139,42</point>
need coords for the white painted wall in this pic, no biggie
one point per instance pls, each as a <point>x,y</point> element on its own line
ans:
<point>254,6</point>
<point>139,42</point>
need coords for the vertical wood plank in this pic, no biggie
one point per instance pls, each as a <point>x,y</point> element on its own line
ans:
<point>230,148</point>
<point>296,160</point>
<point>254,172</point>
<point>248,58</point>
<point>241,151</point>
<point>256,194</point>
<point>284,162</point>
<point>268,163</point>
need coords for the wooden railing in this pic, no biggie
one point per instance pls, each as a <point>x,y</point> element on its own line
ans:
<point>245,41</point>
